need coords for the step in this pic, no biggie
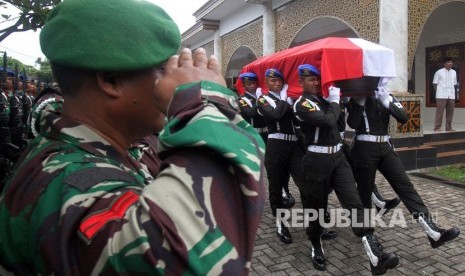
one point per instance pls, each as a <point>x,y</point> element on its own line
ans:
<point>451,157</point>
<point>430,156</point>
<point>417,157</point>
<point>430,150</point>
<point>448,145</point>
<point>445,142</point>
<point>435,137</point>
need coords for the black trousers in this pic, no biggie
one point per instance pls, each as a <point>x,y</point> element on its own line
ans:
<point>367,157</point>
<point>331,171</point>
<point>282,160</point>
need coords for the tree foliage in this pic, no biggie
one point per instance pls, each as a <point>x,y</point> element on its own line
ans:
<point>45,72</point>
<point>31,15</point>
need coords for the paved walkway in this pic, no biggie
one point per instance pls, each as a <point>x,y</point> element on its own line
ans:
<point>345,254</point>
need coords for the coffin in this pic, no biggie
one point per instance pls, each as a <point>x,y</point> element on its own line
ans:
<point>355,65</point>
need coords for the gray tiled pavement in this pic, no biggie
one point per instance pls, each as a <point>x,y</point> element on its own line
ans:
<point>345,254</point>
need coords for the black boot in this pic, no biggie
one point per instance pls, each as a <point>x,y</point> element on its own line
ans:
<point>328,234</point>
<point>288,200</point>
<point>437,236</point>
<point>380,261</point>
<point>318,255</point>
<point>383,205</point>
<point>283,234</point>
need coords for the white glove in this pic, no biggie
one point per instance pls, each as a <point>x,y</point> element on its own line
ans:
<point>258,92</point>
<point>283,93</point>
<point>333,96</point>
<point>360,100</point>
<point>382,95</point>
<point>290,101</point>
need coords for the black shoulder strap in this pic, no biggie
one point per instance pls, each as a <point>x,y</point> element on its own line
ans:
<point>86,178</point>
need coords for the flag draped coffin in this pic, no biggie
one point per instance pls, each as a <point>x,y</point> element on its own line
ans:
<point>355,65</point>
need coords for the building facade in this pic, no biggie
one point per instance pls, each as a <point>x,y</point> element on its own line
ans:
<point>421,33</point>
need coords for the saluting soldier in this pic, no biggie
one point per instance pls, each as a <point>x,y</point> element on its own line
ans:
<point>80,204</point>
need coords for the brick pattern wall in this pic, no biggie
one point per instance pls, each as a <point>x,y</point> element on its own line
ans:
<point>361,15</point>
<point>249,35</point>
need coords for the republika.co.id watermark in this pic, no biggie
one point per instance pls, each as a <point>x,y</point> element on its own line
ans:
<point>341,217</point>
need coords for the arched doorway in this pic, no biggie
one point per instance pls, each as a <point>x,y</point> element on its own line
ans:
<point>241,57</point>
<point>323,27</point>
<point>443,34</point>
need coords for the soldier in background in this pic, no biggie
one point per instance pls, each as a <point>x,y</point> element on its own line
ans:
<point>248,110</point>
<point>373,151</point>
<point>9,152</point>
<point>283,156</point>
<point>16,125</point>
<point>26,103</point>
<point>5,162</point>
<point>49,100</point>
<point>248,104</point>
<point>326,168</point>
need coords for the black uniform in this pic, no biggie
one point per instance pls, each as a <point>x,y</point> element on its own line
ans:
<point>283,156</point>
<point>248,110</point>
<point>373,151</point>
<point>325,165</point>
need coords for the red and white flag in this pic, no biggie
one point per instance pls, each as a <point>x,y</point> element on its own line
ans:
<point>337,58</point>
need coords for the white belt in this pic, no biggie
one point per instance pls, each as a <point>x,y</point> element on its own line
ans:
<point>373,138</point>
<point>282,136</point>
<point>261,129</point>
<point>324,149</point>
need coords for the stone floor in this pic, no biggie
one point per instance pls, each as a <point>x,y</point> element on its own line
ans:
<point>345,254</point>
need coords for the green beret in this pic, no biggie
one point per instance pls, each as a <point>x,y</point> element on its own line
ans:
<point>109,35</point>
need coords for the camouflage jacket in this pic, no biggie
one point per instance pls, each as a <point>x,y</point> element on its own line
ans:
<point>75,206</point>
<point>145,151</point>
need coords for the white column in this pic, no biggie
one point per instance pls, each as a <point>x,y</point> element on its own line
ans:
<point>269,29</point>
<point>217,49</point>
<point>393,33</point>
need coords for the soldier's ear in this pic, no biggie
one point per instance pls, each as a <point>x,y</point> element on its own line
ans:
<point>109,77</point>
<point>107,82</point>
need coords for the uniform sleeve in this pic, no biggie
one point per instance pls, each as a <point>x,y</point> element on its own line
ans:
<point>341,123</point>
<point>199,220</point>
<point>247,107</point>
<point>272,111</point>
<point>309,112</point>
<point>397,110</point>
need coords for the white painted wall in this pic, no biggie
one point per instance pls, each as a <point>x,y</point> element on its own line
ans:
<point>242,17</point>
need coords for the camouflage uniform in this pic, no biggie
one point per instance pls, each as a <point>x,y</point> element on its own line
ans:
<point>5,162</point>
<point>4,118</point>
<point>50,100</point>
<point>15,124</point>
<point>145,151</point>
<point>92,210</point>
